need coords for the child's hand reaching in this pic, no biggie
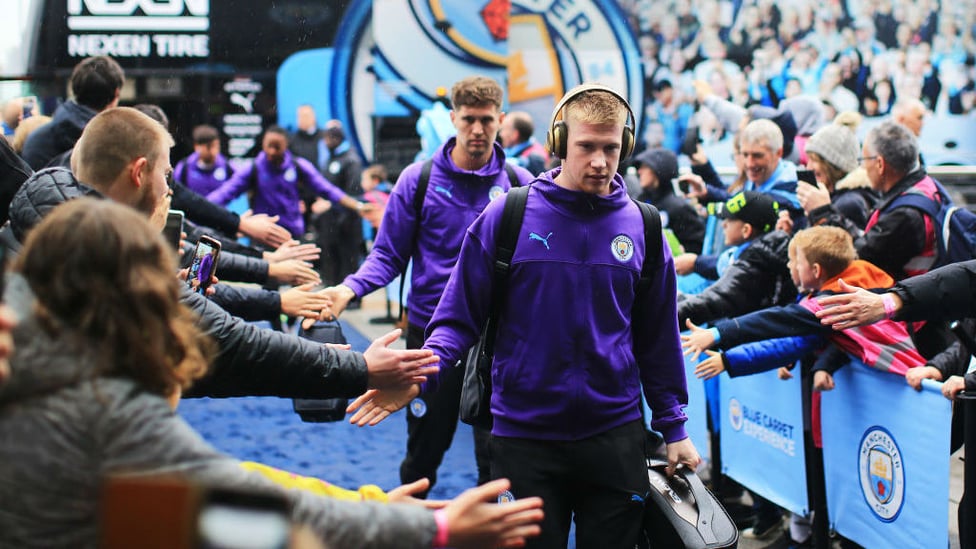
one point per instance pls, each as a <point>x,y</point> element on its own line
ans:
<point>784,373</point>
<point>711,366</point>
<point>697,341</point>
<point>823,381</point>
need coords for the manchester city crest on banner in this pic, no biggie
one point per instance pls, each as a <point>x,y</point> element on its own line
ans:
<point>881,473</point>
<point>735,414</point>
<point>622,248</point>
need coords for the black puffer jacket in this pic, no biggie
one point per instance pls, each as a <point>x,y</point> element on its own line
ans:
<point>13,172</point>
<point>57,136</point>
<point>250,361</point>
<point>946,293</point>
<point>759,278</point>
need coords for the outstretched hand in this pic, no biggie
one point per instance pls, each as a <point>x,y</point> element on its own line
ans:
<point>405,494</point>
<point>711,366</point>
<point>375,405</point>
<point>474,522</point>
<point>697,341</point>
<point>855,307</point>
<point>397,369</point>
<point>263,228</point>
<point>293,249</point>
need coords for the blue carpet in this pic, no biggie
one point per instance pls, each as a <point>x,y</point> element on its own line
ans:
<point>268,431</point>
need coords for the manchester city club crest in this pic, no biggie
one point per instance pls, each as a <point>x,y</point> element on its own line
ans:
<point>506,497</point>
<point>494,192</point>
<point>418,407</point>
<point>735,414</point>
<point>622,248</point>
<point>881,473</point>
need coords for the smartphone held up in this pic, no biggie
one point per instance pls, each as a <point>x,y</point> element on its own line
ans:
<point>204,264</point>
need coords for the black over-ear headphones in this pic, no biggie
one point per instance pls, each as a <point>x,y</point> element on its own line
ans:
<point>556,138</point>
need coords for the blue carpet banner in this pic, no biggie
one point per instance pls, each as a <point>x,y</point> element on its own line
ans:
<point>762,437</point>
<point>886,459</point>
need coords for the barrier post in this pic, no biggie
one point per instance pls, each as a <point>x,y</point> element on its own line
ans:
<point>967,506</point>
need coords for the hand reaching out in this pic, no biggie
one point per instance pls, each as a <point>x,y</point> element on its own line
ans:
<point>293,271</point>
<point>373,406</point>
<point>293,250</point>
<point>475,520</point>
<point>857,307</point>
<point>405,494</point>
<point>697,341</point>
<point>711,366</point>
<point>397,369</point>
<point>263,228</point>
<point>302,301</point>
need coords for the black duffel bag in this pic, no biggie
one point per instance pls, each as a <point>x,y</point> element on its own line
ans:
<point>321,410</point>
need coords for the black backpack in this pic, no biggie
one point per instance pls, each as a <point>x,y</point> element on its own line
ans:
<point>476,386</point>
<point>320,410</point>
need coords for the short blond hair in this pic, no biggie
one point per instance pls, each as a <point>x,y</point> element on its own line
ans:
<point>112,140</point>
<point>830,247</point>
<point>595,106</point>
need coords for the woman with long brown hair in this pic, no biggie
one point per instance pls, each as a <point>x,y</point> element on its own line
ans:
<point>103,340</point>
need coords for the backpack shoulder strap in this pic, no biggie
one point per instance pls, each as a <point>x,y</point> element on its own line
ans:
<point>652,243</point>
<point>505,243</point>
<point>918,201</point>
<point>513,179</point>
<point>418,205</point>
<point>421,192</point>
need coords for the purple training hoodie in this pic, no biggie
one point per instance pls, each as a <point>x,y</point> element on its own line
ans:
<point>454,198</point>
<point>565,365</point>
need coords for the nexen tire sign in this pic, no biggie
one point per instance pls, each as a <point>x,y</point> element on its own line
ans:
<point>138,28</point>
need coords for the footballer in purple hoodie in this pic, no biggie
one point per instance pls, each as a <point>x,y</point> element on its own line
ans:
<point>568,371</point>
<point>467,172</point>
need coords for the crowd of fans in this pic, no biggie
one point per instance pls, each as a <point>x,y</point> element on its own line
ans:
<point>852,56</point>
<point>788,82</point>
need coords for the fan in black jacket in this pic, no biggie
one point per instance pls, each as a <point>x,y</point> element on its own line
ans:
<point>251,361</point>
<point>657,169</point>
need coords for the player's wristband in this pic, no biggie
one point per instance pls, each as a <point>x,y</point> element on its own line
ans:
<point>889,306</point>
<point>440,518</point>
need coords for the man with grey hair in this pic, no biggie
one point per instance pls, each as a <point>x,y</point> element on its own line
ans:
<point>899,239</point>
<point>761,147</point>
<point>910,112</point>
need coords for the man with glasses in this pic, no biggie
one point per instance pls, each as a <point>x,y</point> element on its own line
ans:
<point>899,239</point>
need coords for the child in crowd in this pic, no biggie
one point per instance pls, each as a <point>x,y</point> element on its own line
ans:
<point>752,272</point>
<point>376,191</point>
<point>819,258</point>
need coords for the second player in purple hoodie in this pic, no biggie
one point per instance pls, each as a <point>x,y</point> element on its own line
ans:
<point>468,171</point>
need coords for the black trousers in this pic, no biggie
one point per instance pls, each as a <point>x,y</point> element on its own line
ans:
<point>429,435</point>
<point>595,479</point>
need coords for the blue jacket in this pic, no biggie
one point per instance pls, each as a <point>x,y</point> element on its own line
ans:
<point>58,135</point>
<point>567,366</point>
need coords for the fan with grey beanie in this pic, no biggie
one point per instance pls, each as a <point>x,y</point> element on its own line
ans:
<point>837,145</point>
